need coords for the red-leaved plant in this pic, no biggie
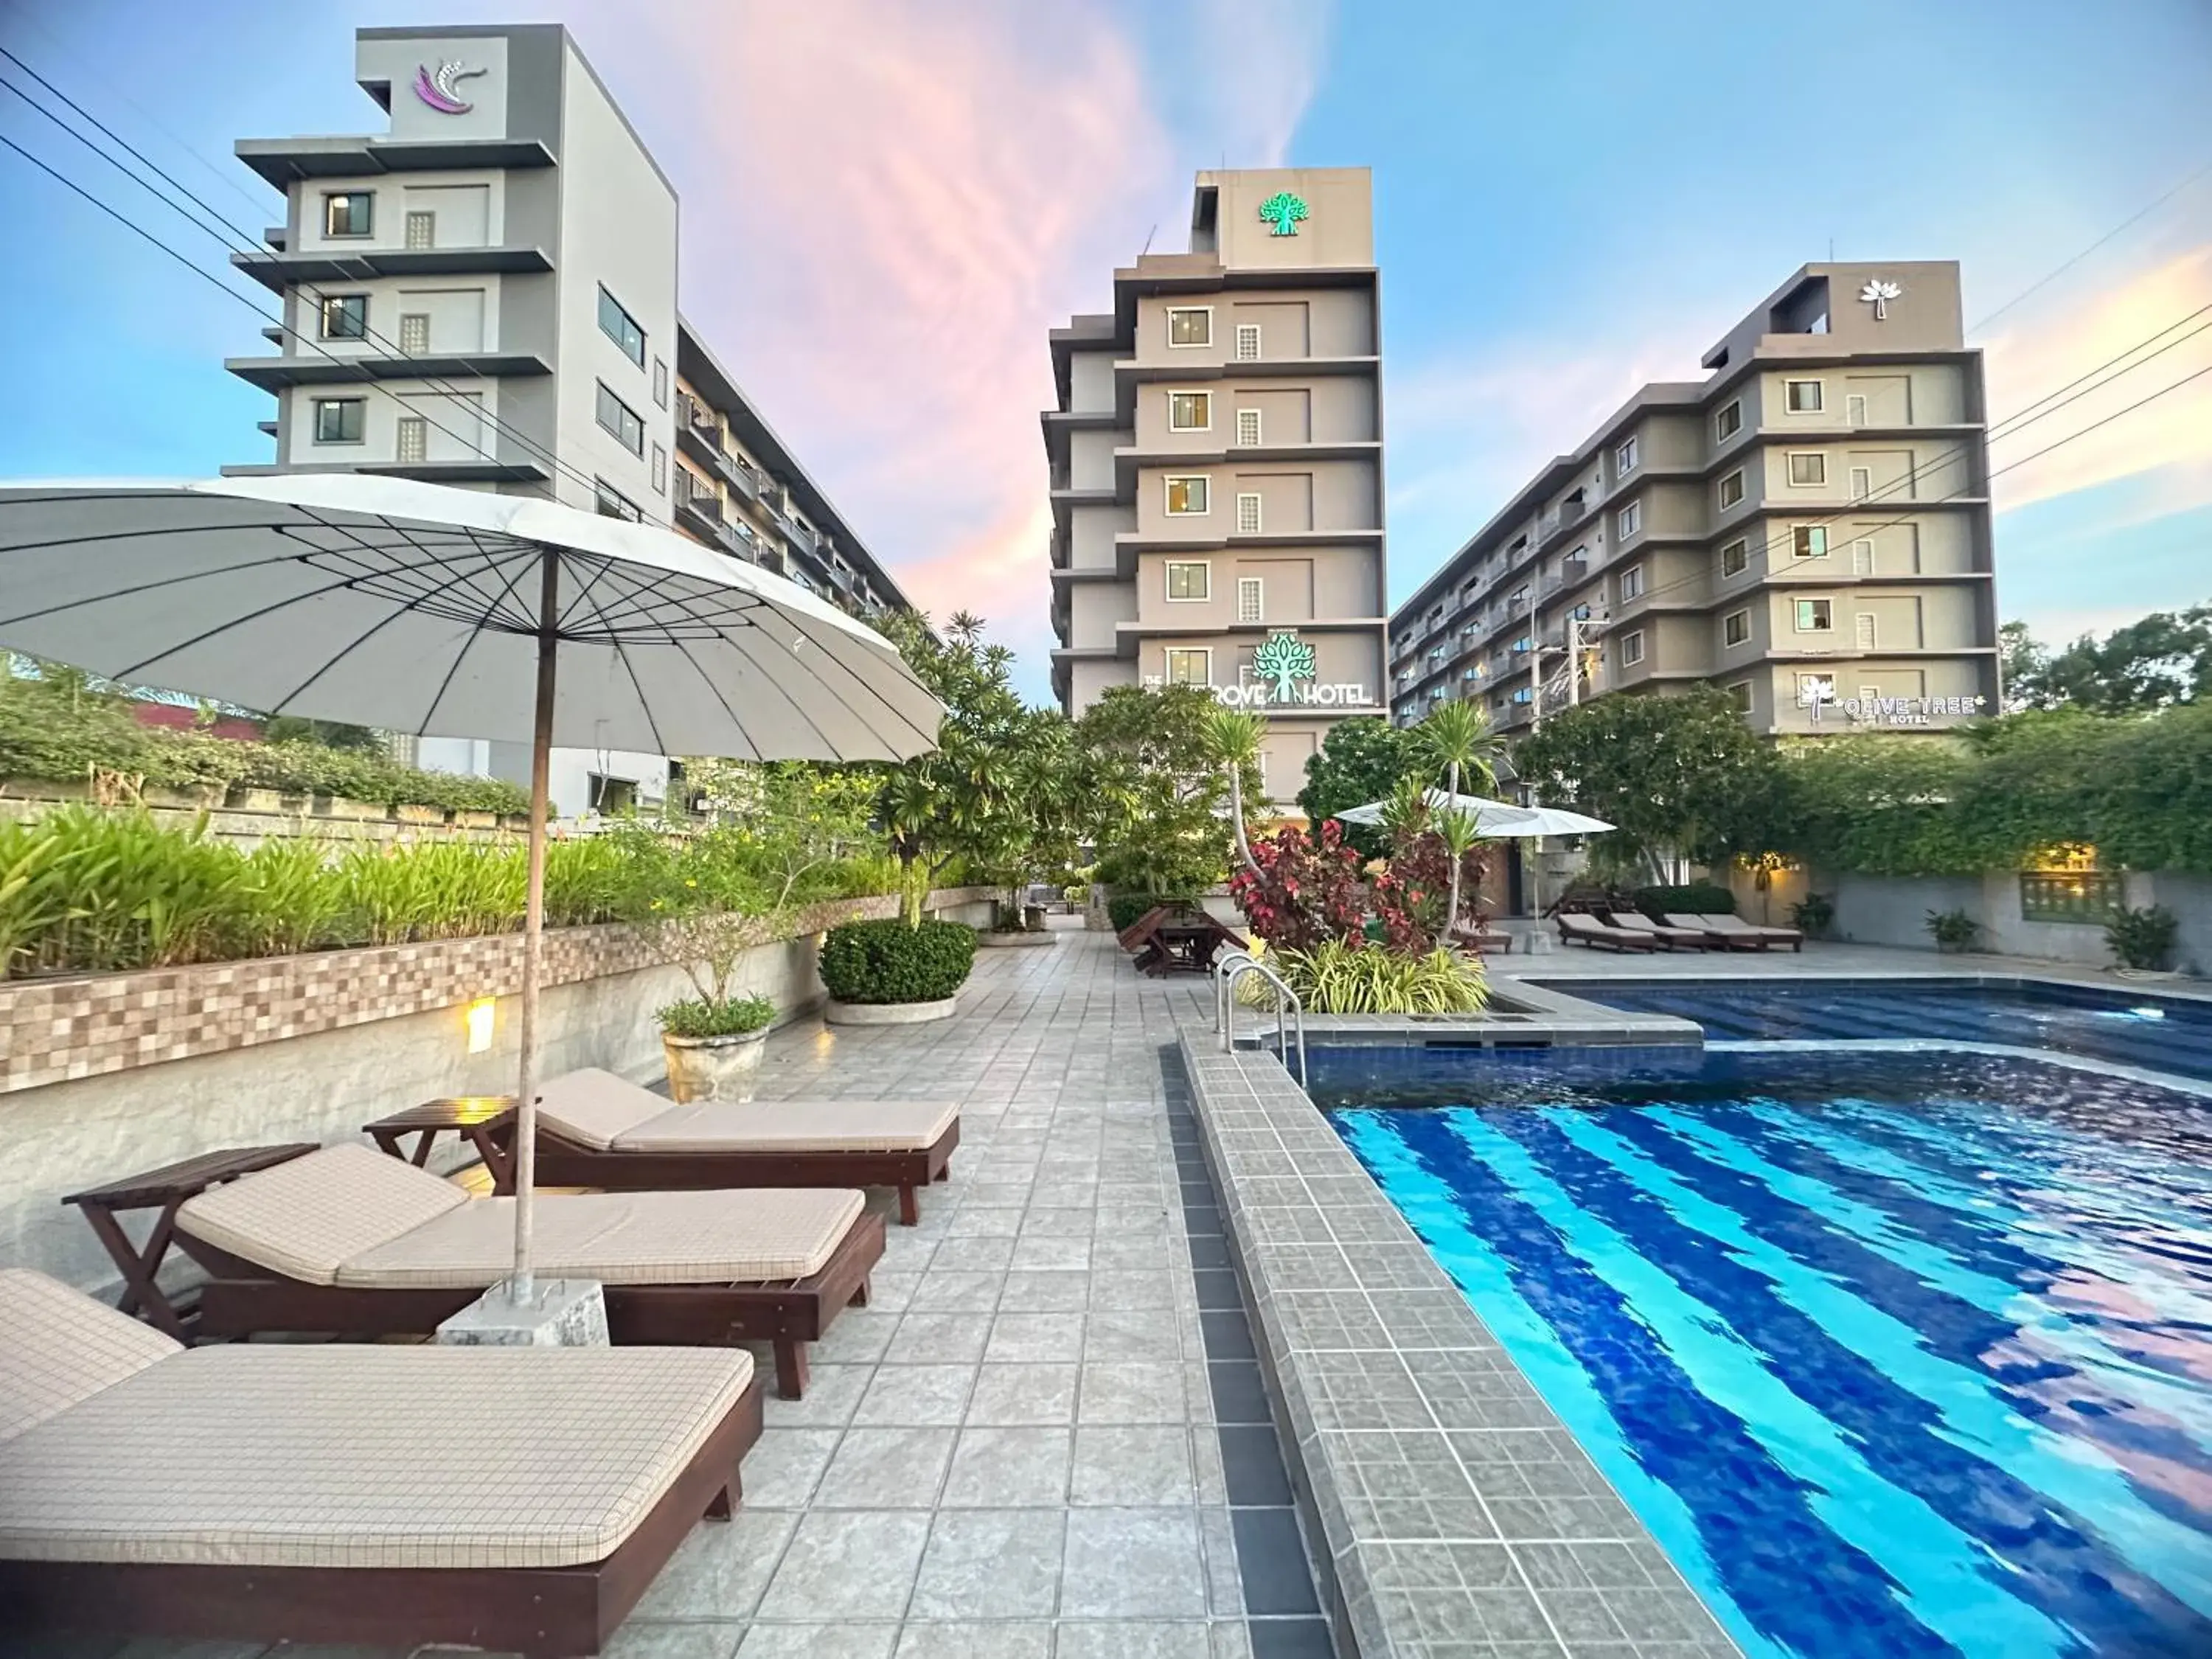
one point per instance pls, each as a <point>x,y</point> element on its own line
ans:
<point>1306,890</point>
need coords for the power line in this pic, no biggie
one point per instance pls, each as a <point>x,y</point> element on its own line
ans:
<point>2050,277</point>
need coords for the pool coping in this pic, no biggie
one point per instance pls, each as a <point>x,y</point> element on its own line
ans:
<point>1455,1512</point>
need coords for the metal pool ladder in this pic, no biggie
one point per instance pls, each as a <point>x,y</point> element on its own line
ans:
<point>1226,974</point>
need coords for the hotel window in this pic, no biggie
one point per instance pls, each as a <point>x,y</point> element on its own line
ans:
<point>1802,397</point>
<point>1629,519</point>
<point>1623,458</point>
<point>350,213</point>
<point>1739,695</point>
<point>1248,513</point>
<point>619,418</point>
<point>1734,556</point>
<point>1808,468</point>
<point>413,333</point>
<point>1862,483</point>
<point>613,503</point>
<point>1632,583</point>
<point>1189,664</point>
<point>1631,648</point>
<point>1729,421</point>
<point>1735,628</point>
<point>1809,541</point>
<point>344,316</point>
<point>422,231</point>
<point>1248,428</point>
<point>1855,408</point>
<point>1250,599</point>
<point>1815,616</point>
<point>659,471</point>
<point>660,382</point>
<point>1190,326</point>
<point>1862,558</point>
<point>622,328</point>
<point>340,420</point>
<point>1816,688</point>
<point>1732,489</point>
<point>414,440</point>
<point>1190,411</point>
<point>1248,342</point>
<point>1189,580</point>
<point>1186,496</point>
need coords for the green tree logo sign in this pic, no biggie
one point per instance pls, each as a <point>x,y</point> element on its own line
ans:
<point>1282,211</point>
<point>1281,659</point>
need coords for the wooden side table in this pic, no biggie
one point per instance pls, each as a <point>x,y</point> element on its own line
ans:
<point>476,1118</point>
<point>166,1190</point>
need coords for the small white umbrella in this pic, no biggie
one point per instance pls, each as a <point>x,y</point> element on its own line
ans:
<point>418,608</point>
<point>1499,820</point>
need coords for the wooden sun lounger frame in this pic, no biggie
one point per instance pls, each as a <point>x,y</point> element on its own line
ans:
<point>1668,935</point>
<point>563,1160</point>
<point>1752,936</point>
<point>1604,933</point>
<point>242,1299</point>
<point>545,1613</point>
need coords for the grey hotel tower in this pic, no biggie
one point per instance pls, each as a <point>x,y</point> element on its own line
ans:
<point>1215,464</point>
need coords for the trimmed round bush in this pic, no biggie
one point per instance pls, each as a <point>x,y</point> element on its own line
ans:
<point>891,961</point>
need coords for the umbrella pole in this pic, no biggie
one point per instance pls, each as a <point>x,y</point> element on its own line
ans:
<point>533,935</point>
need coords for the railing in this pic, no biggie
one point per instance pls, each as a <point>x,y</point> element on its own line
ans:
<point>1225,973</point>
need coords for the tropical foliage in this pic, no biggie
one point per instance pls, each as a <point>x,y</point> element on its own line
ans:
<point>1359,761</point>
<point>1338,977</point>
<point>897,961</point>
<point>2154,662</point>
<point>1158,795</point>
<point>702,1016</point>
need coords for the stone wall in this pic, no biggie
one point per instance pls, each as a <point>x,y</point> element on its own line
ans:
<point>109,1076</point>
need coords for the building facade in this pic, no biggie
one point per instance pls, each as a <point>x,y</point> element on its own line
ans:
<point>484,295</point>
<point>1216,466</point>
<point>1808,528</point>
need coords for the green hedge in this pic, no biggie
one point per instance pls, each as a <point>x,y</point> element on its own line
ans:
<point>893,960</point>
<point>1699,898</point>
<point>1123,909</point>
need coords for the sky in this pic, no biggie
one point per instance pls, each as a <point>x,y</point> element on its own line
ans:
<point>886,204</point>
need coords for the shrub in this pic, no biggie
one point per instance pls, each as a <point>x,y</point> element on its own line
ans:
<point>894,960</point>
<point>1814,913</point>
<point>1307,888</point>
<point>702,1016</point>
<point>1952,930</point>
<point>2144,939</point>
<point>1124,911</point>
<point>1699,898</point>
<point>1338,977</point>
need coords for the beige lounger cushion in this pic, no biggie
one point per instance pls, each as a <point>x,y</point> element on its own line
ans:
<point>594,1107</point>
<point>794,1126</point>
<point>366,1456</point>
<point>308,1217</point>
<point>58,1346</point>
<point>729,1236</point>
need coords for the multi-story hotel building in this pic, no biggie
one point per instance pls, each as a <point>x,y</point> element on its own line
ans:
<point>484,295</point>
<point>1216,464</point>
<point>1808,528</point>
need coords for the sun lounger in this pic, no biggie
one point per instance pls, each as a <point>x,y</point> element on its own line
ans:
<point>1483,941</point>
<point>1739,934</point>
<point>345,1240</point>
<point>1671,937</point>
<point>1576,928</point>
<point>517,1499</point>
<point>595,1129</point>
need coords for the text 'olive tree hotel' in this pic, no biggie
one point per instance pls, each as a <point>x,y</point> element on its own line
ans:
<point>1217,467</point>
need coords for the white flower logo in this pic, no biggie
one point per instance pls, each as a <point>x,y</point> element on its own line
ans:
<point>1878,294</point>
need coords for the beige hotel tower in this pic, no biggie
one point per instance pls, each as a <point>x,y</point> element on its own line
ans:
<point>1217,465</point>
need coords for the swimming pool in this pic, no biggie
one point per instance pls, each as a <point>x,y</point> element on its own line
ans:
<point>2164,1034</point>
<point>1896,1354</point>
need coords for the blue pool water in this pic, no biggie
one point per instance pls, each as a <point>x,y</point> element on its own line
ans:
<point>2164,1034</point>
<point>1896,1354</point>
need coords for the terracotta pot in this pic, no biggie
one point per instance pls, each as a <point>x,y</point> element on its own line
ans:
<point>714,1068</point>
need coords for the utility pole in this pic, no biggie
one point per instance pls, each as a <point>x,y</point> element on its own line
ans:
<point>1574,660</point>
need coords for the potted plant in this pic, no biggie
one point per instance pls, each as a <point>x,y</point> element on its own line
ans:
<point>714,1046</point>
<point>894,972</point>
<point>1952,930</point>
<point>2144,941</point>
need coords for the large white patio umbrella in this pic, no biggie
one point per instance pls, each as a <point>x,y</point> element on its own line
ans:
<point>1499,820</point>
<point>418,608</point>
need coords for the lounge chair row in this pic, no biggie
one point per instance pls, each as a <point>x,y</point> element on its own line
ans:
<point>1631,930</point>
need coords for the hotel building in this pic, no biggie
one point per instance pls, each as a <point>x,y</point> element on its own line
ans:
<point>484,295</point>
<point>1216,465</point>
<point>1808,528</point>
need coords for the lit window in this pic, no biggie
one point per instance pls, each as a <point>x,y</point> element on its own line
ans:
<point>1186,496</point>
<point>1807,468</point>
<point>1190,665</point>
<point>1190,411</point>
<point>1248,513</point>
<point>1802,397</point>
<point>1189,580</point>
<point>1629,519</point>
<point>1809,541</point>
<point>340,420</point>
<point>622,328</point>
<point>345,316</point>
<point>1632,583</point>
<point>619,418</point>
<point>350,213</point>
<point>1623,458</point>
<point>1814,616</point>
<point>1631,648</point>
<point>1735,628</point>
<point>1734,556</point>
<point>1190,326</point>
<point>1729,421</point>
<point>1732,489</point>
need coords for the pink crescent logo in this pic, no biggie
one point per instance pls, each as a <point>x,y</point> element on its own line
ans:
<point>436,87</point>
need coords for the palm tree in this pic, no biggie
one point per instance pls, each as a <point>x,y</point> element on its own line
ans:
<point>1459,834</point>
<point>1456,740</point>
<point>1232,738</point>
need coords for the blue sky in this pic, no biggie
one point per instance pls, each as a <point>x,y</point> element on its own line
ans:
<point>886,205</point>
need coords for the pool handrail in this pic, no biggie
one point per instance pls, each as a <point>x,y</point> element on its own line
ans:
<point>1226,970</point>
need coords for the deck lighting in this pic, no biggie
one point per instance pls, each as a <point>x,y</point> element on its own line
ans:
<point>480,1017</point>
